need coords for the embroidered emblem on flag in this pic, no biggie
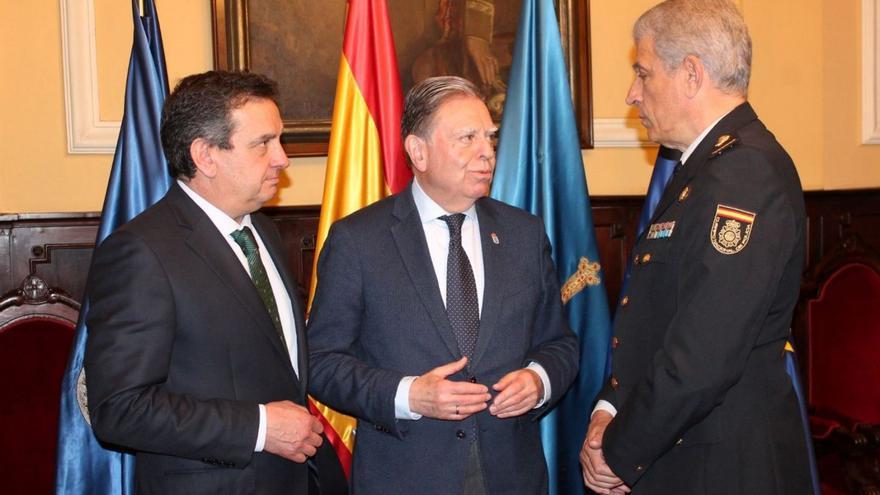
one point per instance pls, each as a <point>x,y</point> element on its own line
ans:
<point>731,229</point>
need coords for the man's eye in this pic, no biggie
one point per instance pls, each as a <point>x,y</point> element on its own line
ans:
<point>467,138</point>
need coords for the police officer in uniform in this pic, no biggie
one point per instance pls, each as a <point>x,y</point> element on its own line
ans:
<point>699,400</point>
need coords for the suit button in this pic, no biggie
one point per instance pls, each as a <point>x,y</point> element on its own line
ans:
<point>679,441</point>
<point>615,342</point>
<point>614,383</point>
<point>472,379</point>
<point>624,301</point>
<point>639,468</point>
<point>646,257</point>
<point>460,434</point>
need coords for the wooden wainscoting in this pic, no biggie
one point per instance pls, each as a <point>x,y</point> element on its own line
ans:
<point>58,247</point>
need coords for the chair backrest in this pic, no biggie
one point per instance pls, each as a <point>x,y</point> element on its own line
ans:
<point>843,338</point>
<point>36,331</point>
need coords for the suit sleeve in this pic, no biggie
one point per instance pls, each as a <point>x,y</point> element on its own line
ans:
<point>131,334</point>
<point>722,301</point>
<point>554,345</point>
<point>336,375</point>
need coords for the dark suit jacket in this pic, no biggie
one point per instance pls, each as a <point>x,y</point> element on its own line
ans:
<point>181,350</point>
<point>378,316</point>
<point>704,402</point>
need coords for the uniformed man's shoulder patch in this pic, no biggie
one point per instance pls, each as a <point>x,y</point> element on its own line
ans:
<point>724,143</point>
<point>731,229</point>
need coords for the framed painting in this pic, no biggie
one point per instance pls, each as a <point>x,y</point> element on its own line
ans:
<point>299,42</point>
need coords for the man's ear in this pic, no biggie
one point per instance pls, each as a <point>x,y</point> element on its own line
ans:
<point>201,153</point>
<point>695,74</point>
<point>416,149</point>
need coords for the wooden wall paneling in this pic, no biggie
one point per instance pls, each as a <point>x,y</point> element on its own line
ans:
<point>298,226</point>
<point>57,247</point>
<point>615,221</point>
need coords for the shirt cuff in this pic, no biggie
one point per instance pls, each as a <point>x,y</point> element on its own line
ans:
<point>545,379</point>
<point>604,405</point>
<point>261,432</point>
<point>401,399</point>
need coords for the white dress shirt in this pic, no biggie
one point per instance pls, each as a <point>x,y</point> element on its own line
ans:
<point>226,226</point>
<point>437,237</point>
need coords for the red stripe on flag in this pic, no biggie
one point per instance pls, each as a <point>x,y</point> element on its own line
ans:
<point>338,445</point>
<point>369,49</point>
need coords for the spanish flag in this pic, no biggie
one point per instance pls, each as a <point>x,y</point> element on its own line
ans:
<point>365,160</point>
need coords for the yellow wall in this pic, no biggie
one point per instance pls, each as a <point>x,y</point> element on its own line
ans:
<point>805,86</point>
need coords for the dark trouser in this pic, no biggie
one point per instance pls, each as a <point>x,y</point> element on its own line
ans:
<point>473,475</point>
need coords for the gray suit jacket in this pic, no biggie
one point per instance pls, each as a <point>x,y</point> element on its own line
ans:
<point>378,316</point>
<point>181,350</point>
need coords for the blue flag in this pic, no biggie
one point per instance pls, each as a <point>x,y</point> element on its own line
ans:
<point>139,177</point>
<point>540,169</point>
<point>664,167</point>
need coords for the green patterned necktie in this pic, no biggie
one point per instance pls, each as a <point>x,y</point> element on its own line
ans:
<point>245,239</point>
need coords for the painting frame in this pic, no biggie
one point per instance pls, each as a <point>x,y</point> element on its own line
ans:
<point>233,46</point>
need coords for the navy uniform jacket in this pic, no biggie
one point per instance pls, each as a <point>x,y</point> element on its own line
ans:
<point>180,352</point>
<point>698,377</point>
<point>378,316</point>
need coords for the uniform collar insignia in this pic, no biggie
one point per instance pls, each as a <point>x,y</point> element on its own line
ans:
<point>725,142</point>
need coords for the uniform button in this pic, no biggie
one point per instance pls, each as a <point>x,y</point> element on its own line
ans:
<point>615,342</point>
<point>646,258</point>
<point>624,301</point>
<point>472,379</point>
<point>460,434</point>
<point>614,382</point>
<point>679,441</point>
<point>639,468</point>
<point>636,259</point>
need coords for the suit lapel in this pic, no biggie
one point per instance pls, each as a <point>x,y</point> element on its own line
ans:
<point>208,244</point>
<point>493,276</point>
<point>277,253</point>
<point>737,118</point>
<point>409,236</point>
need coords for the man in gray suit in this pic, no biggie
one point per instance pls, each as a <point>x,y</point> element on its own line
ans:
<point>437,319</point>
<point>196,356</point>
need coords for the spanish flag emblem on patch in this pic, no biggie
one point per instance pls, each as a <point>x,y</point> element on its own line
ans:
<point>731,229</point>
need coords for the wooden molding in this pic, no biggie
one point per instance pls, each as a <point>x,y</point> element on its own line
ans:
<point>86,132</point>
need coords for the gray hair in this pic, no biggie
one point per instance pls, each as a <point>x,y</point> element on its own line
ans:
<point>425,98</point>
<point>712,30</point>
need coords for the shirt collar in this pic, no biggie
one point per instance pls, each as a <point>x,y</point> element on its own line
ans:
<point>429,209</point>
<point>690,149</point>
<point>224,223</point>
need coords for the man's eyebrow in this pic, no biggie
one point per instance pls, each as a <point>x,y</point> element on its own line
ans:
<point>261,139</point>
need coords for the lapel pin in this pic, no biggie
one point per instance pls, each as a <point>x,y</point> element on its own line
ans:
<point>494,237</point>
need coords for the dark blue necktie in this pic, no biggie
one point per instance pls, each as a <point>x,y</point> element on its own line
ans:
<point>462,305</point>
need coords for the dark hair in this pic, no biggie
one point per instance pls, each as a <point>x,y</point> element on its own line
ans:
<point>200,107</point>
<point>425,98</point>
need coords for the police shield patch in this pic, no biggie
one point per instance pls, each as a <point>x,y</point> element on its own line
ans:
<point>731,229</point>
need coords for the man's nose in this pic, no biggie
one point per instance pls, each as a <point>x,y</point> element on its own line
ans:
<point>634,95</point>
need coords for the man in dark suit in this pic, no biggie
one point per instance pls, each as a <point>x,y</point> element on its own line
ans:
<point>196,356</point>
<point>437,318</point>
<point>699,400</point>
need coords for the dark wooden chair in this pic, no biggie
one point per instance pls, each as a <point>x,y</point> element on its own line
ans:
<point>37,324</point>
<point>838,333</point>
